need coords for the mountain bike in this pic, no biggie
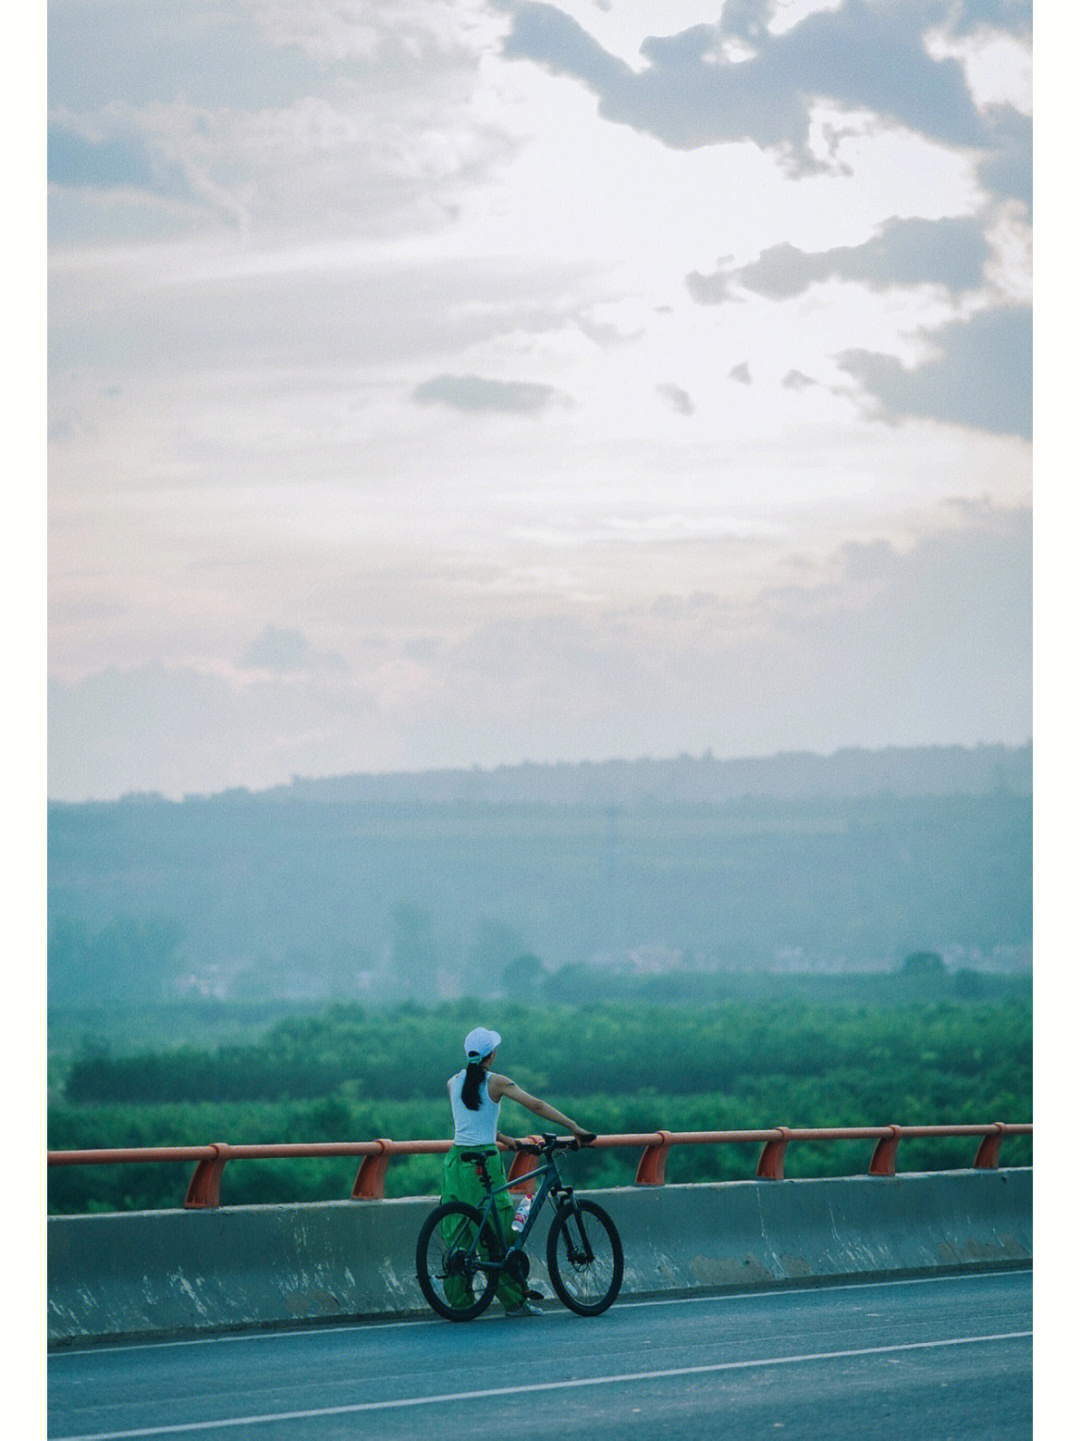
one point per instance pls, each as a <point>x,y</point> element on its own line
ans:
<point>462,1249</point>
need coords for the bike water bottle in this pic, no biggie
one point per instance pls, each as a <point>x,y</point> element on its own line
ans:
<point>521,1213</point>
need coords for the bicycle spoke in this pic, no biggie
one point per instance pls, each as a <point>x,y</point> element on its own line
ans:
<point>588,1275</point>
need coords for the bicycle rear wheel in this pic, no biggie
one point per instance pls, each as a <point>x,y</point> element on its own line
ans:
<point>447,1257</point>
<point>584,1257</point>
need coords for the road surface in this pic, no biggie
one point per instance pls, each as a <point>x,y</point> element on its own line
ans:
<point>933,1359</point>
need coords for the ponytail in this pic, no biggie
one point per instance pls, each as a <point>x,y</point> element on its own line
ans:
<point>470,1087</point>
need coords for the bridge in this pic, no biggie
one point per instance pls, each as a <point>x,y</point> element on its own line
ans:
<point>816,1307</point>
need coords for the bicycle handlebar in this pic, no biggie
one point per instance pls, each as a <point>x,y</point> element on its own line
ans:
<point>552,1143</point>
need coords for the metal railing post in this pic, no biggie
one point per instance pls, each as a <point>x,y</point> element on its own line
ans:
<point>883,1161</point>
<point>370,1182</point>
<point>986,1157</point>
<point>204,1189</point>
<point>650,1171</point>
<point>522,1163</point>
<point>770,1166</point>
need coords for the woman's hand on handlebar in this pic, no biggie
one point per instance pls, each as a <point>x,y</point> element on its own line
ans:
<point>521,1143</point>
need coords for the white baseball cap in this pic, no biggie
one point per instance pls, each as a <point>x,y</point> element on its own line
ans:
<point>481,1042</point>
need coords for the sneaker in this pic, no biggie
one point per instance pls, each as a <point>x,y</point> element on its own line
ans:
<point>527,1308</point>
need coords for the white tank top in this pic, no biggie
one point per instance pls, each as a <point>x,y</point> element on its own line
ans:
<point>473,1128</point>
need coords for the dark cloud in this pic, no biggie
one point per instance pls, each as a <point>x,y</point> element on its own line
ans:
<point>476,392</point>
<point>1007,169</point>
<point>677,398</point>
<point>796,380</point>
<point>1012,16</point>
<point>863,55</point>
<point>950,252</point>
<point>980,375</point>
<point>601,333</point>
<point>287,651</point>
<point>711,289</point>
<point>746,20</point>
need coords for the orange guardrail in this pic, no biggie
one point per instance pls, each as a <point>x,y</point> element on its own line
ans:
<point>204,1190</point>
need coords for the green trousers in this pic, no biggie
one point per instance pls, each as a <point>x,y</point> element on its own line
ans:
<point>461,1183</point>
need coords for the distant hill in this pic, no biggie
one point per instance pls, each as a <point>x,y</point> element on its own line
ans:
<point>448,883</point>
<point>793,775</point>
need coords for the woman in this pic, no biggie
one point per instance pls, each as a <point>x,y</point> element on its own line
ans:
<point>476,1093</point>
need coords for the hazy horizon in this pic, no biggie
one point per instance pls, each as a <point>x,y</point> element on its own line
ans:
<point>845,771</point>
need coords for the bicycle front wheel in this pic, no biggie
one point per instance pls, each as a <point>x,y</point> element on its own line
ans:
<point>584,1257</point>
<point>448,1252</point>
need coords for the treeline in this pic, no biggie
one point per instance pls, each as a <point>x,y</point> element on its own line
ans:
<point>408,1053</point>
<point>349,1075</point>
<point>790,775</point>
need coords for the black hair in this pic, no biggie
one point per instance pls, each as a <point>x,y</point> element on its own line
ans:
<point>470,1087</point>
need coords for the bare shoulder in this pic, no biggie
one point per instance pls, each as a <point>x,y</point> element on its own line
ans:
<point>500,1086</point>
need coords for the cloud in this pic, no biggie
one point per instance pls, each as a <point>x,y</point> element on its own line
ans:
<point>677,399</point>
<point>302,314</point>
<point>932,642</point>
<point>287,651</point>
<point>712,289</point>
<point>349,118</point>
<point>927,643</point>
<point>950,252</point>
<point>1007,169</point>
<point>978,374</point>
<point>180,730</point>
<point>796,380</point>
<point>741,373</point>
<point>476,393</point>
<point>690,93</point>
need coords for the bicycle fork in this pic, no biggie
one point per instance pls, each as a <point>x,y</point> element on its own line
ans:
<point>578,1247</point>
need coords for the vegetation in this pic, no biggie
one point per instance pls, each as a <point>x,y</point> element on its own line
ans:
<point>913,1048</point>
<point>255,899</point>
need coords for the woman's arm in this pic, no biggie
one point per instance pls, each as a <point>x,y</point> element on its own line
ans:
<point>500,1086</point>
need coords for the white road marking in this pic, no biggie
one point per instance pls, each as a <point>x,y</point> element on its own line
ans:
<point>447,1397</point>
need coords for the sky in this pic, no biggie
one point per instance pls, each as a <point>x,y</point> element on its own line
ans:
<point>464,382</point>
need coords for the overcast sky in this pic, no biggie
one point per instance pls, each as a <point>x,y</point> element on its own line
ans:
<point>461,382</point>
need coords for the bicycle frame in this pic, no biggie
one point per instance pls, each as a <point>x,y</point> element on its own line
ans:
<point>551,1183</point>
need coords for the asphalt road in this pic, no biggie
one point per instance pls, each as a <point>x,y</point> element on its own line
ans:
<point>942,1359</point>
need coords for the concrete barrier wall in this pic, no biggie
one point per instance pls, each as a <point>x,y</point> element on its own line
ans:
<point>155,1273</point>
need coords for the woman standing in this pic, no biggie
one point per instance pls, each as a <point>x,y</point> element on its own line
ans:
<point>476,1093</point>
